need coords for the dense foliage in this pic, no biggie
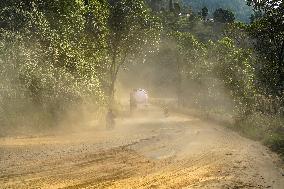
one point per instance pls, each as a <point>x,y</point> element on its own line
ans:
<point>223,16</point>
<point>131,29</point>
<point>268,32</point>
<point>226,66</point>
<point>47,60</point>
<point>57,55</point>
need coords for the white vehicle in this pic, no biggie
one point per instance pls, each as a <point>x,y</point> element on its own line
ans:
<point>138,99</point>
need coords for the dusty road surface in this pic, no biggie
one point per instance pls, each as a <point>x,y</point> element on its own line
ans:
<point>147,151</point>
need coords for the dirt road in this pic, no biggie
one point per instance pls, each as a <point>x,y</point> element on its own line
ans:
<point>141,152</point>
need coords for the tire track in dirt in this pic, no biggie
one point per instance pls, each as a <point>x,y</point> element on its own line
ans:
<point>151,152</point>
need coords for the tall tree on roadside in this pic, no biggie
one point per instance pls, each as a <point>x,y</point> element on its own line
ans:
<point>171,6</point>
<point>51,55</point>
<point>155,4</point>
<point>269,34</point>
<point>187,52</point>
<point>204,13</point>
<point>177,8</point>
<point>223,16</point>
<point>131,28</point>
<point>255,16</point>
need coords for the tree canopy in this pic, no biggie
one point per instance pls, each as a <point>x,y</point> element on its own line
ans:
<point>59,54</point>
<point>268,31</point>
<point>223,16</point>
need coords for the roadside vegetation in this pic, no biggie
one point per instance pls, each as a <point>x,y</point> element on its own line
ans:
<point>223,67</point>
<point>58,57</point>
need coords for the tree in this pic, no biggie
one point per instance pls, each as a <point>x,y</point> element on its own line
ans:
<point>267,5</point>
<point>269,34</point>
<point>214,66</point>
<point>50,57</point>
<point>234,67</point>
<point>171,6</point>
<point>131,28</point>
<point>187,51</point>
<point>256,16</point>
<point>204,13</point>
<point>238,32</point>
<point>155,5</point>
<point>177,8</point>
<point>223,16</point>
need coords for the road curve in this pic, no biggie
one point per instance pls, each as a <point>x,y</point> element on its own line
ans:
<point>146,151</point>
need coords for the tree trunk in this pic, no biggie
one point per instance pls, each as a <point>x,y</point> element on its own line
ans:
<point>179,81</point>
<point>281,69</point>
<point>111,93</point>
<point>112,81</point>
<point>115,66</point>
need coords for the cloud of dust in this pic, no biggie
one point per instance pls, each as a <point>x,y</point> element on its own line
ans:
<point>159,76</point>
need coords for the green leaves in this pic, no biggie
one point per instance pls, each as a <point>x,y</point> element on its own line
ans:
<point>223,16</point>
<point>52,54</point>
<point>268,34</point>
<point>131,29</point>
<point>219,66</point>
<point>62,53</point>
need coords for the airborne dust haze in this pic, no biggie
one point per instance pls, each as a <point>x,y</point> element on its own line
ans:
<point>207,123</point>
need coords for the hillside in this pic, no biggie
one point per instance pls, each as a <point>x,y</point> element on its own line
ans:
<point>239,7</point>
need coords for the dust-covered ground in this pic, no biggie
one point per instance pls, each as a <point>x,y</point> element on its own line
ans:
<point>146,151</point>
